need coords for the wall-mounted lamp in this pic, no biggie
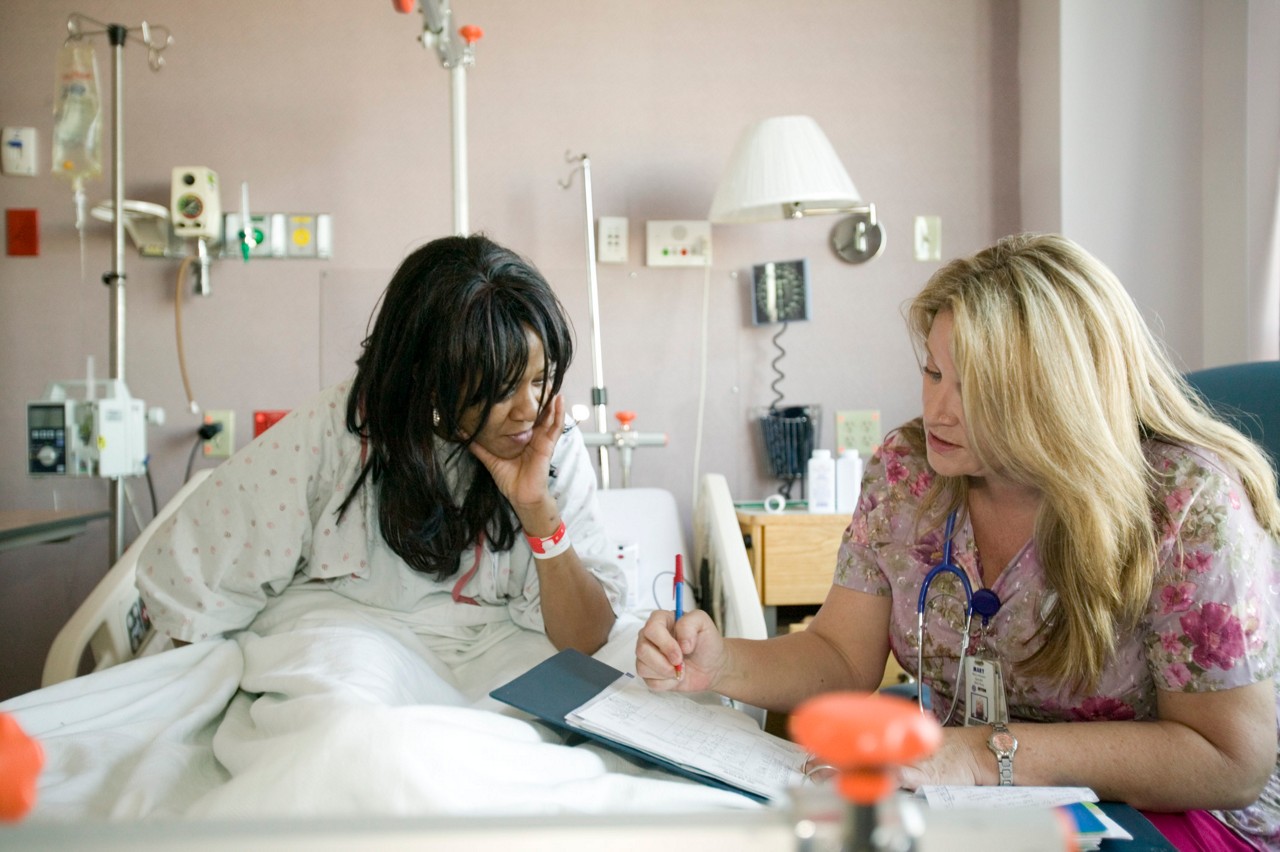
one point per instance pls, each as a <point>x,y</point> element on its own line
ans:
<point>785,168</point>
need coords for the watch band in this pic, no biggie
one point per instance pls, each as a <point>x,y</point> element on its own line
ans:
<point>1003,744</point>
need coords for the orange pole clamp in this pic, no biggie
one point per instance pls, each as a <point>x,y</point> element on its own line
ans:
<point>866,737</point>
<point>21,759</point>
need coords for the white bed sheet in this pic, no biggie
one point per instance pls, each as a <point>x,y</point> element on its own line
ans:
<point>333,715</point>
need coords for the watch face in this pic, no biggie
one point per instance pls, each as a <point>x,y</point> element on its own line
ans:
<point>1002,742</point>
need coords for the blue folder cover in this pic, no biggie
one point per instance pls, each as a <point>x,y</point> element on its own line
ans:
<point>556,687</point>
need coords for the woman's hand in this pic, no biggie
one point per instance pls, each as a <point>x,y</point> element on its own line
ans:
<point>960,760</point>
<point>523,479</point>
<point>694,642</point>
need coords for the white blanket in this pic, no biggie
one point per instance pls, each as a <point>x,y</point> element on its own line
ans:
<point>333,715</point>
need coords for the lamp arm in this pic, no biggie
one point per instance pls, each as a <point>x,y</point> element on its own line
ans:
<point>797,210</point>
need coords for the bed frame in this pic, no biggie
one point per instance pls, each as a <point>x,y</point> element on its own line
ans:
<point>111,624</point>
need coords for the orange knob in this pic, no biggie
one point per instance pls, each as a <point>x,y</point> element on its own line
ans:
<point>21,759</point>
<point>866,737</point>
<point>625,418</point>
<point>470,33</point>
<point>404,7</point>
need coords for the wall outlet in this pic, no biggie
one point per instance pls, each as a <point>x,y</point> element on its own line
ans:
<point>612,239</point>
<point>858,430</point>
<point>221,445</point>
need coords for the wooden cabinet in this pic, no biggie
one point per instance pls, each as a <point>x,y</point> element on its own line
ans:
<point>793,557</point>
<point>793,554</point>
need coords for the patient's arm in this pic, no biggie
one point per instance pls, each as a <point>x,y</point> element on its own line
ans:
<point>575,608</point>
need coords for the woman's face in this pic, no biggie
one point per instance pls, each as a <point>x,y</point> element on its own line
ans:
<point>945,431</point>
<point>510,425</point>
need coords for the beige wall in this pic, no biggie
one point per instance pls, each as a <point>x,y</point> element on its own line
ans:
<point>332,106</point>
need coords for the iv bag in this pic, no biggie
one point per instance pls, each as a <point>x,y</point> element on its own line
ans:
<point>77,115</point>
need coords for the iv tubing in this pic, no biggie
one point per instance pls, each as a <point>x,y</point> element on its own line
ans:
<point>183,269</point>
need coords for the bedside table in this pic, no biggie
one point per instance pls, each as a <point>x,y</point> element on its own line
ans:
<point>793,555</point>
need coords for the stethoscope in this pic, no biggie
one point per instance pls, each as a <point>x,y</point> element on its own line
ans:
<point>984,602</point>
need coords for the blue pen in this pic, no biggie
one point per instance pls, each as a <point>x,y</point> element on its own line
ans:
<point>678,591</point>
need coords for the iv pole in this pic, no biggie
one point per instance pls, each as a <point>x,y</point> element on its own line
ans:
<point>457,57</point>
<point>599,396</point>
<point>118,35</point>
<point>624,439</point>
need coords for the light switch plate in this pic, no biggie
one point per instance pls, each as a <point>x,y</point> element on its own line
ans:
<point>19,151</point>
<point>928,238</point>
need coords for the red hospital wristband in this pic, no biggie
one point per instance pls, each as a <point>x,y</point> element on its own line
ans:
<point>555,544</point>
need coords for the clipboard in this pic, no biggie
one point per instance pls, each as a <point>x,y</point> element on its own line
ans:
<point>557,686</point>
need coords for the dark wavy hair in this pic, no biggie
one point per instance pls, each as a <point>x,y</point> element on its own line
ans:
<point>451,334</point>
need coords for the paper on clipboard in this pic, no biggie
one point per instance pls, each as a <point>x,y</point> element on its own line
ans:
<point>709,743</point>
<point>711,739</point>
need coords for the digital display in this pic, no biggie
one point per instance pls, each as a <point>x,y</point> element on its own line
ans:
<point>46,417</point>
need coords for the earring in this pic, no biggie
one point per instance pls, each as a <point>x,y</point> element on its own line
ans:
<point>435,417</point>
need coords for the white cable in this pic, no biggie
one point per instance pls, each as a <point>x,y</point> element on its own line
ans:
<point>702,377</point>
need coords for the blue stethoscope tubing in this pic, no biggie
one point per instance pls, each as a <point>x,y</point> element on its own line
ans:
<point>984,602</point>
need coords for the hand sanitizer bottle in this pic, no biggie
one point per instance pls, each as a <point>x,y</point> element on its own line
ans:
<point>822,482</point>
<point>848,481</point>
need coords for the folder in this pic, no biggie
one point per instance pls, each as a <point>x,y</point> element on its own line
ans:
<point>556,688</point>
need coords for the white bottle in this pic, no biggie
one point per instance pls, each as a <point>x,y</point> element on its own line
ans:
<point>821,482</point>
<point>848,481</point>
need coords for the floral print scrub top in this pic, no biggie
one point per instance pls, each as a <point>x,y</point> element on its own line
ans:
<point>1211,622</point>
<point>266,519</point>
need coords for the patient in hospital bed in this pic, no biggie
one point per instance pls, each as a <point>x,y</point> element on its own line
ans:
<point>350,586</point>
<point>440,490</point>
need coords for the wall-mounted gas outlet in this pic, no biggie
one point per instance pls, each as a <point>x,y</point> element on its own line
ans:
<point>281,235</point>
<point>612,240</point>
<point>221,445</point>
<point>678,243</point>
<point>858,430</point>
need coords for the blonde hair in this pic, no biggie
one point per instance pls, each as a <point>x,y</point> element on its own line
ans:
<point>1062,382</point>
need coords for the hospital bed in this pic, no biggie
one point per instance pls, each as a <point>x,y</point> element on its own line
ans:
<point>133,737</point>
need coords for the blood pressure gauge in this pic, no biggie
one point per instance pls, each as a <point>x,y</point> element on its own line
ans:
<point>780,291</point>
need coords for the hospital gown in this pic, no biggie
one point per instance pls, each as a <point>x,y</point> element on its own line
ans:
<point>1210,623</point>
<point>254,542</point>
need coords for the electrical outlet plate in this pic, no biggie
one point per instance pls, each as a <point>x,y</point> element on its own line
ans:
<point>612,239</point>
<point>221,445</point>
<point>858,430</point>
<point>678,243</point>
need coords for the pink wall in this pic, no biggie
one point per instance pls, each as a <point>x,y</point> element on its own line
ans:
<point>332,106</point>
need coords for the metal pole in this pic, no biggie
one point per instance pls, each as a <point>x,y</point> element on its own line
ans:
<point>115,279</point>
<point>458,103</point>
<point>599,397</point>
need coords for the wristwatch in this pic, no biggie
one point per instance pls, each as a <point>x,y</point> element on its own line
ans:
<point>1003,744</point>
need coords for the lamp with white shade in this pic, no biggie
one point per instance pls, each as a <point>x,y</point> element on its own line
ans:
<point>786,168</point>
